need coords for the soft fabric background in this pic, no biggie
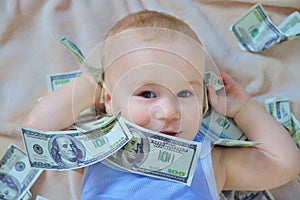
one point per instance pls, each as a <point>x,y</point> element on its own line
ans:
<point>29,50</point>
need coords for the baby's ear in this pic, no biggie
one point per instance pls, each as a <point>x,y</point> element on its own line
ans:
<point>107,101</point>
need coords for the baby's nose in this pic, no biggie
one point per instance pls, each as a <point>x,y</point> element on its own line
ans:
<point>167,109</point>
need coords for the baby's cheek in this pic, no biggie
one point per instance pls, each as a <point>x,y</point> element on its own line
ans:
<point>139,116</point>
<point>192,117</point>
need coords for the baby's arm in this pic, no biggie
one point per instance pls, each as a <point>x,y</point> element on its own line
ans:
<point>269,165</point>
<point>58,109</point>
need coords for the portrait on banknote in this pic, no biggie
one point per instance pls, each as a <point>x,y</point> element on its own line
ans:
<point>66,151</point>
<point>9,187</point>
<point>134,152</point>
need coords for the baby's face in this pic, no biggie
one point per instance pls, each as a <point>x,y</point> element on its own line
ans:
<point>158,90</point>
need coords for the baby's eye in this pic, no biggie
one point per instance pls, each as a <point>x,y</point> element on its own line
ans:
<point>184,93</point>
<point>148,94</point>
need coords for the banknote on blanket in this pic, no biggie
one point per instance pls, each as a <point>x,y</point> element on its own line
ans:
<point>255,31</point>
<point>16,174</point>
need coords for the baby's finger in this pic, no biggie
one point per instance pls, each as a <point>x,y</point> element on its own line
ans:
<point>227,80</point>
<point>212,96</point>
<point>217,101</point>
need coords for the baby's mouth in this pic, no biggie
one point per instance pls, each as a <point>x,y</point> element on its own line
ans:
<point>171,133</point>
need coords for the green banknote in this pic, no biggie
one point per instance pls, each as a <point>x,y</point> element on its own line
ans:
<point>157,155</point>
<point>71,149</point>
<point>85,124</point>
<point>216,126</point>
<point>54,81</point>
<point>236,143</point>
<point>16,175</point>
<point>291,25</point>
<point>279,108</point>
<point>94,70</point>
<point>27,196</point>
<point>213,80</point>
<point>256,32</point>
<point>295,130</point>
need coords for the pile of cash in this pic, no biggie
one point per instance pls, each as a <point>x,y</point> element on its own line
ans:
<point>255,31</point>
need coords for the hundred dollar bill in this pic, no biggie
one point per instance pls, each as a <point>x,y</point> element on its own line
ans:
<point>256,32</point>
<point>235,143</point>
<point>16,175</point>
<point>295,123</point>
<point>70,149</point>
<point>88,125</point>
<point>279,108</point>
<point>213,80</point>
<point>295,133</point>
<point>55,81</point>
<point>205,101</point>
<point>96,71</point>
<point>291,25</point>
<point>215,126</point>
<point>89,115</point>
<point>157,155</point>
<point>245,195</point>
<point>26,196</point>
<point>73,48</point>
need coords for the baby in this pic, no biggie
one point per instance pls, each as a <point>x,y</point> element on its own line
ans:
<point>153,74</point>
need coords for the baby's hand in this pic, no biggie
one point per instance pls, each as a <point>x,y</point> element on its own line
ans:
<point>236,97</point>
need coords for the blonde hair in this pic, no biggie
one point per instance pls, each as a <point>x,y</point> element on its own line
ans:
<point>145,26</point>
<point>152,19</point>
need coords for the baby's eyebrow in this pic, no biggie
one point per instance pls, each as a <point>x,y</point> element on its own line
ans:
<point>195,82</point>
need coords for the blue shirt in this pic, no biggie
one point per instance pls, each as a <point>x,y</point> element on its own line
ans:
<point>102,181</point>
